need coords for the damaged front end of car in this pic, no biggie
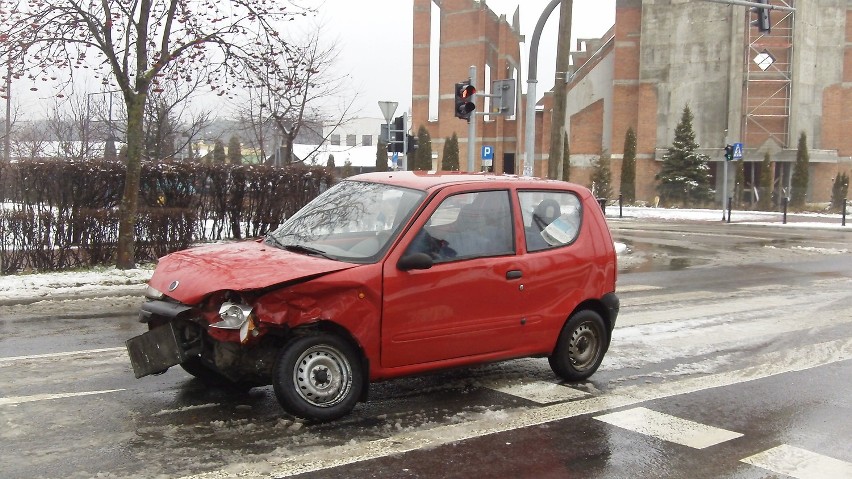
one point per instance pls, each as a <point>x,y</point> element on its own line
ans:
<point>219,341</point>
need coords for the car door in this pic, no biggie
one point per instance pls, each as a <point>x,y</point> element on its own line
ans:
<point>559,261</point>
<point>468,302</point>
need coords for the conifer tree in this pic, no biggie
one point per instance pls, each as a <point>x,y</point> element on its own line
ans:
<point>450,158</point>
<point>381,156</point>
<point>685,175</point>
<point>766,181</point>
<point>566,161</point>
<point>347,169</point>
<point>839,191</point>
<point>219,152</point>
<point>423,154</point>
<point>235,152</point>
<point>799,181</point>
<point>601,178</point>
<point>330,163</point>
<point>628,167</point>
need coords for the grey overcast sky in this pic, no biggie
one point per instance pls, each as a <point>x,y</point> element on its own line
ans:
<point>375,42</point>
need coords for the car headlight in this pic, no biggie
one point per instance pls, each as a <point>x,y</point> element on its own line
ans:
<point>233,315</point>
<point>238,317</point>
<point>153,293</point>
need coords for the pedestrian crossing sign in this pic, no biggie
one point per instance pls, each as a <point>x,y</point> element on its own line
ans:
<point>738,151</point>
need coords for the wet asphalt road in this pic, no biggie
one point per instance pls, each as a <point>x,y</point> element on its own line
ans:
<point>731,359</point>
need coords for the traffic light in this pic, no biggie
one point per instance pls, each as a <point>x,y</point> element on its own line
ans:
<point>396,135</point>
<point>504,97</point>
<point>464,100</point>
<point>729,152</point>
<point>761,17</point>
<point>411,144</point>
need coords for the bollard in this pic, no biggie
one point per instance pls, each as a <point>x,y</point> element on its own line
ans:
<point>730,200</point>
<point>843,221</point>
<point>784,202</point>
<point>602,202</point>
<point>621,206</point>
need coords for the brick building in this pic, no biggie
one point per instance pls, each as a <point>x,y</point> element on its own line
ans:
<point>761,90</point>
<point>449,37</point>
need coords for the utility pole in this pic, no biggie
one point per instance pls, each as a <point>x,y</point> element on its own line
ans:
<point>532,80</point>
<point>563,50</point>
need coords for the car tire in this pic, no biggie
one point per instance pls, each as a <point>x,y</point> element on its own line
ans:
<point>580,347</point>
<point>318,377</point>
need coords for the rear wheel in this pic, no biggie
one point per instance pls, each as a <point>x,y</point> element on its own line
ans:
<point>318,377</point>
<point>581,346</point>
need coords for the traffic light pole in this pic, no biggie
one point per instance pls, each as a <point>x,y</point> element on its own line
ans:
<point>471,127</point>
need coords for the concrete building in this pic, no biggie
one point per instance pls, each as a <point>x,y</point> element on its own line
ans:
<point>762,90</point>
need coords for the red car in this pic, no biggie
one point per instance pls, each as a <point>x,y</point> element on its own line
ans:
<point>387,275</point>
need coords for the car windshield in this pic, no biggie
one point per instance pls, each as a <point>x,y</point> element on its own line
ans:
<point>354,221</point>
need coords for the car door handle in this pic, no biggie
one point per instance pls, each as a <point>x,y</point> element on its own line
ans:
<point>513,274</point>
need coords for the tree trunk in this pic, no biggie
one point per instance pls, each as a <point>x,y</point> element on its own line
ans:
<point>126,252</point>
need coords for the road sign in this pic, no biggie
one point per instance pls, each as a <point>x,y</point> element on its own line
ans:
<point>487,155</point>
<point>738,151</point>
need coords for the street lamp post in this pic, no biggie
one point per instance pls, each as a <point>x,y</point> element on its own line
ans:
<point>529,131</point>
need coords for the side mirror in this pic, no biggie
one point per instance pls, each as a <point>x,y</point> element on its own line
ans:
<point>415,261</point>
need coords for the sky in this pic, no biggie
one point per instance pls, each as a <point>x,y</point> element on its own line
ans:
<point>375,46</point>
<point>378,39</point>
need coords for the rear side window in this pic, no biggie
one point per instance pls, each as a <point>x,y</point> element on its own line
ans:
<point>551,218</point>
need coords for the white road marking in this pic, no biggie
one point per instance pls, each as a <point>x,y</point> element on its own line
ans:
<point>541,392</point>
<point>62,355</point>
<point>669,428</point>
<point>799,463</point>
<point>636,288</point>
<point>15,400</point>
<point>771,364</point>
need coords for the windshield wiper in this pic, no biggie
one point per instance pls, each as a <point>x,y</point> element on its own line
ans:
<point>298,248</point>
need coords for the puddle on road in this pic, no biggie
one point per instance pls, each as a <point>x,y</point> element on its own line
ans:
<point>649,257</point>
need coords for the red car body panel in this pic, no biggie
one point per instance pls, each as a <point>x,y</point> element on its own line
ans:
<point>242,266</point>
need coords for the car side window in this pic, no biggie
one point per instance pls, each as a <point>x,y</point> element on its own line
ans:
<point>551,218</point>
<point>468,225</point>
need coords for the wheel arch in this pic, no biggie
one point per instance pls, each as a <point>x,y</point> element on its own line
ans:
<point>606,307</point>
<point>330,327</point>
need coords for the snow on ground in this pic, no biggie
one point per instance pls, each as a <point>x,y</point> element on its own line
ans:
<point>111,281</point>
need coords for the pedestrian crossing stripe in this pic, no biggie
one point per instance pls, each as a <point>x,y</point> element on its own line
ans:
<point>668,428</point>
<point>799,463</point>
<point>541,392</point>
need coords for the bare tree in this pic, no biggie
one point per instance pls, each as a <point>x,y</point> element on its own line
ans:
<point>138,45</point>
<point>71,125</point>
<point>29,141</point>
<point>279,106</point>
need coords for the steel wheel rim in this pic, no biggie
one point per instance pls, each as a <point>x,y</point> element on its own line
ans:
<point>584,346</point>
<point>322,376</point>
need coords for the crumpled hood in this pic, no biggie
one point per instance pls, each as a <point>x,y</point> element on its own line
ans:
<point>197,272</point>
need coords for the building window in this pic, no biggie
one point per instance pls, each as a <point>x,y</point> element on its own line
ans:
<point>350,140</point>
<point>335,140</point>
<point>366,140</point>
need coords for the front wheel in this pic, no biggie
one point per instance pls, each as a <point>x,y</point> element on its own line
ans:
<point>580,348</point>
<point>318,377</point>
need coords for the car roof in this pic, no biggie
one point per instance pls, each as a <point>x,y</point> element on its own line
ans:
<point>425,180</point>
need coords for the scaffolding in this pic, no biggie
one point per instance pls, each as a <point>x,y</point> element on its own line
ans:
<point>768,79</point>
